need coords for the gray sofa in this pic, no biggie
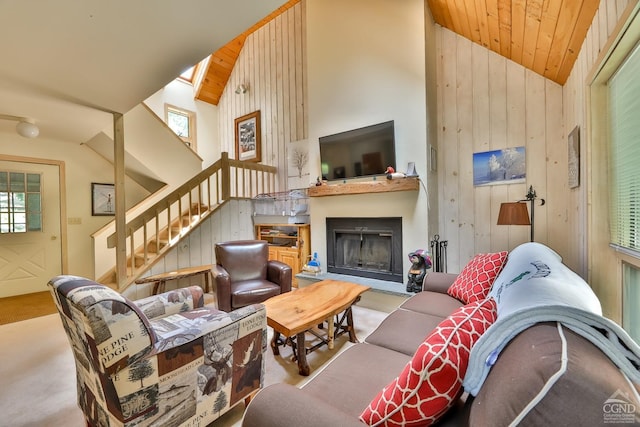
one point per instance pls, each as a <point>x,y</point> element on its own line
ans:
<point>338,393</point>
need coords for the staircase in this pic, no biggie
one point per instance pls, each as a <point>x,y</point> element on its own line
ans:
<point>150,251</point>
<point>151,234</point>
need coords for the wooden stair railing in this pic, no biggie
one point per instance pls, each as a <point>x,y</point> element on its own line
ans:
<point>159,228</point>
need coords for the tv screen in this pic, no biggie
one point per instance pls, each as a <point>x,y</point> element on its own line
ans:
<point>359,152</point>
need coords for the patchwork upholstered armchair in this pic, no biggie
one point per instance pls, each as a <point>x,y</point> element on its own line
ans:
<point>162,360</point>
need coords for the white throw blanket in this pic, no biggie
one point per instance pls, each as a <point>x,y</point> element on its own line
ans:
<point>536,287</point>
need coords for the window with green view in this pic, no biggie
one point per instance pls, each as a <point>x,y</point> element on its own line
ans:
<point>20,202</point>
<point>624,108</point>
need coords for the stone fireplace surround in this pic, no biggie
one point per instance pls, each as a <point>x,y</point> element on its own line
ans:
<point>365,247</point>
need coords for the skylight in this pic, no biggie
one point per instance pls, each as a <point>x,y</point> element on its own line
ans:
<point>187,75</point>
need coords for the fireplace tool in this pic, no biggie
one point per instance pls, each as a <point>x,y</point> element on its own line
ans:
<point>439,251</point>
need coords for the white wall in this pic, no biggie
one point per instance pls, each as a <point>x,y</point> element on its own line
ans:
<point>180,94</point>
<point>173,162</point>
<point>366,65</point>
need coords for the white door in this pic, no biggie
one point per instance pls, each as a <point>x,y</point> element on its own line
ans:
<point>28,260</point>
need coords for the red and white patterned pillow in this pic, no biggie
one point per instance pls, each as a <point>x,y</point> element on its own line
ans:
<point>432,381</point>
<point>475,280</point>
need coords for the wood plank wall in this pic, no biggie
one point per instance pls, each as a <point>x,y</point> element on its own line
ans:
<point>575,107</point>
<point>272,63</point>
<point>487,102</point>
<point>588,252</point>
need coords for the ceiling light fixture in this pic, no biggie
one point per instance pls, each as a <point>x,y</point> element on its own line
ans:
<point>242,88</point>
<point>26,127</point>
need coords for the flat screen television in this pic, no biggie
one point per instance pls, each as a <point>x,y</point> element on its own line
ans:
<point>359,152</point>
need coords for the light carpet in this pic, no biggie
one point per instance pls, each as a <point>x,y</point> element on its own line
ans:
<point>38,373</point>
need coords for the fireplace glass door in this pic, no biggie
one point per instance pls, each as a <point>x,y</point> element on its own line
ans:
<point>369,249</point>
<point>365,247</point>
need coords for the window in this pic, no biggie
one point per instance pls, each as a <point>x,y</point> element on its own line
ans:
<point>624,105</point>
<point>187,75</point>
<point>614,191</point>
<point>183,123</point>
<point>624,131</point>
<point>20,202</point>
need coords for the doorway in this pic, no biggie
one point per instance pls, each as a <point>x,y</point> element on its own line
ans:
<point>28,260</point>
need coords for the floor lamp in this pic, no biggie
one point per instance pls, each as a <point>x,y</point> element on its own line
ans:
<point>515,213</point>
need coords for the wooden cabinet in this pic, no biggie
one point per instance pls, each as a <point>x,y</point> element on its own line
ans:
<point>288,243</point>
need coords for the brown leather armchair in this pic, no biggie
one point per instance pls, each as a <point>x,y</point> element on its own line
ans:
<point>244,275</point>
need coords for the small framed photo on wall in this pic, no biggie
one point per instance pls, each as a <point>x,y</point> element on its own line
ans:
<point>103,199</point>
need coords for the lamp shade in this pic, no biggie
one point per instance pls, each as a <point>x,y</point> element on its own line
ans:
<point>27,129</point>
<point>515,213</point>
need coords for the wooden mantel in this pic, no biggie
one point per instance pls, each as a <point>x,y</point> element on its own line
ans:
<point>378,186</point>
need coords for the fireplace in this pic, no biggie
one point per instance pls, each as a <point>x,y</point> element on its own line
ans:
<point>365,247</point>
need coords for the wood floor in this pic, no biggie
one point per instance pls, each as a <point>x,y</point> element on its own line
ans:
<point>23,307</point>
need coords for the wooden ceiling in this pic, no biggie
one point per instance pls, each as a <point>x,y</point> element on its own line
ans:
<point>222,61</point>
<point>544,36</point>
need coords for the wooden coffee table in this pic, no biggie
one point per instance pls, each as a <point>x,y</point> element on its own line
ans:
<point>296,312</point>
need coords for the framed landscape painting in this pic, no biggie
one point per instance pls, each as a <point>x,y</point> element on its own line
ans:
<point>247,129</point>
<point>506,166</point>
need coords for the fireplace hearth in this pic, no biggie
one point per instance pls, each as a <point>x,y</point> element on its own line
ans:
<point>365,247</point>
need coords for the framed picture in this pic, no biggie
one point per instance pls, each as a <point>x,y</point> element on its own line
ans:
<point>248,137</point>
<point>574,157</point>
<point>103,198</point>
<point>298,175</point>
<point>506,166</point>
